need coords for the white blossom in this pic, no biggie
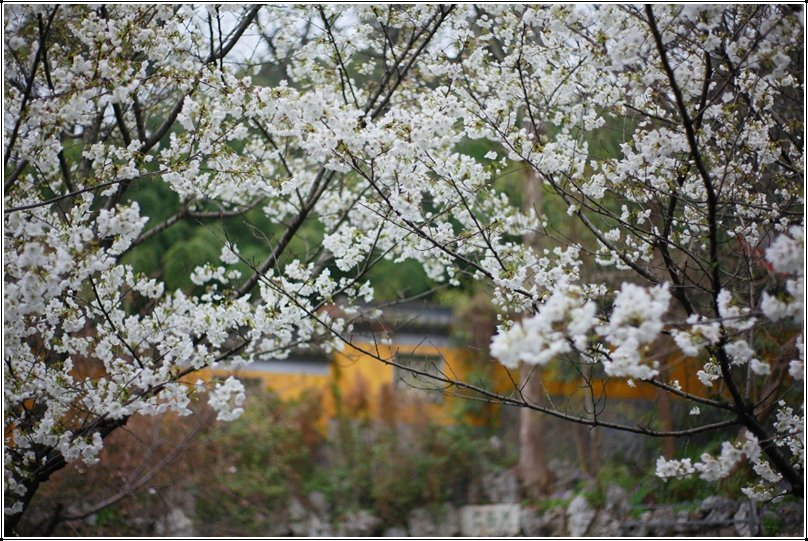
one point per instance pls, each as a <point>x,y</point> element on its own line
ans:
<point>227,399</point>
<point>230,254</point>
<point>636,319</point>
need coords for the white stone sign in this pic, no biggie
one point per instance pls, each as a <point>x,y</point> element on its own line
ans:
<point>489,520</point>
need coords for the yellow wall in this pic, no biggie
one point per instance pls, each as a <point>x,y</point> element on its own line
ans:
<point>358,385</point>
<point>367,387</point>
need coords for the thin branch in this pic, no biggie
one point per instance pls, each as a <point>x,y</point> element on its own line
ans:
<point>15,175</point>
<point>344,77</point>
<point>318,188</point>
<point>81,191</point>
<point>130,487</point>
<point>29,86</point>
<point>503,399</point>
<point>235,36</point>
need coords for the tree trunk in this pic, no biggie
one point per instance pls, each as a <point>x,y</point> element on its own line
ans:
<point>535,476</point>
<point>590,462</point>
<point>666,423</point>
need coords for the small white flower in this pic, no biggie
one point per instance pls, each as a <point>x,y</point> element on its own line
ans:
<point>227,398</point>
<point>230,254</point>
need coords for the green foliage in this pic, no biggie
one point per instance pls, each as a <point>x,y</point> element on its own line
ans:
<point>546,504</point>
<point>274,451</point>
<point>636,484</point>
<point>181,259</point>
<point>362,473</point>
<point>195,241</point>
<point>438,470</point>
<point>645,488</point>
<point>109,517</point>
<point>391,469</point>
<point>260,458</point>
<point>191,242</point>
<point>395,281</point>
<point>771,524</point>
<point>476,148</point>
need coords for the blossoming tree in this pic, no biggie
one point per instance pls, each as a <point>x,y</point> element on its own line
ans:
<point>692,229</point>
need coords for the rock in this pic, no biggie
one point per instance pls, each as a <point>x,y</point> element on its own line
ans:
<point>319,503</point>
<point>728,531</point>
<point>607,521</point>
<point>554,522</point>
<point>617,501</point>
<point>530,522</point>
<point>310,517</point>
<point>605,524</point>
<point>501,486</point>
<point>661,522</point>
<point>746,520</point>
<point>396,531</point>
<point>175,524</point>
<point>298,518</point>
<point>442,522</point>
<point>277,526</point>
<point>497,520</point>
<point>299,528</point>
<point>717,509</point>
<point>579,516</point>
<point>782,519</point>
<point>296,511</point>
<point>717,516</point>
<point>566,473</point>
<point>143,525</point>
<point>682,523</point>
<point>565,494</point>
<point>318,527</point>
<point>636,527</point>
<point>361,523</point>
<point>274,522</point>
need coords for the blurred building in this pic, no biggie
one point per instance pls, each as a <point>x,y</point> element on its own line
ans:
<point>354,382</point>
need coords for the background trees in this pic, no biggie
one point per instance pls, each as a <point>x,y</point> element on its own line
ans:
<point>189,186</point>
